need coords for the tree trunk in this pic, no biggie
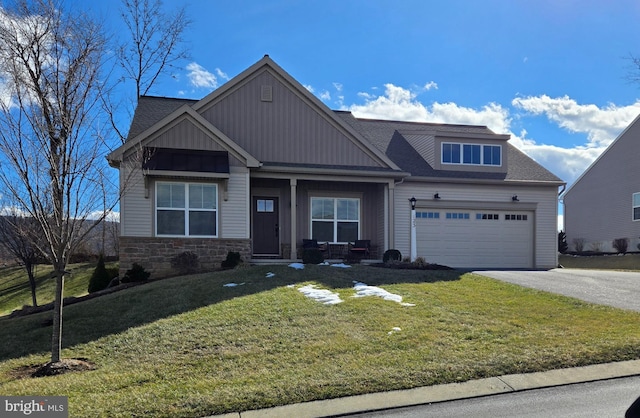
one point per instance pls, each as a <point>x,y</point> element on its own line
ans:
<point>32,283</point>
<point>56,335</point>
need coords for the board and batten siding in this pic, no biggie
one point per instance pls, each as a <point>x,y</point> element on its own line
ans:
<point>186,135</point>
<point>598,208</point>
<point>546,213</point>
<point>287,129</point>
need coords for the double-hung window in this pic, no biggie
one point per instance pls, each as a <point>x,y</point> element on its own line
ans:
<point>186,209</point>
<point>335,219</point>
<point>471,154</point>
<point>636,206</point>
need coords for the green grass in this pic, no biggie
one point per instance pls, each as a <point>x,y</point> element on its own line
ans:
<point>602,262</point>
<point>15,291</point>
<point>190,347</point>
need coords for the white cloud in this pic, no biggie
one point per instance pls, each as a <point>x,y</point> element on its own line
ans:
<point>325,95</point>
<point>201,78</point>
<point>602,125</point>
<point>431,85</point>
<point>308,87</point>
<point>222,74</point>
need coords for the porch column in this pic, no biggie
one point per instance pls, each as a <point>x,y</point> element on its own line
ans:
<point>294,216</point>
<point>390,230</point>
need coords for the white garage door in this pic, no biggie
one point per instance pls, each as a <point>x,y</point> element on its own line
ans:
<point>475,239</point>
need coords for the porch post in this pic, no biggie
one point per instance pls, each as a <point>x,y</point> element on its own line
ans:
<point>390,230</point>
<point>414,244</point>
<point>294,215</point>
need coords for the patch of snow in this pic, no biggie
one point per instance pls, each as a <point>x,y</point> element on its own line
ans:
<point>232,284</point>
<point>341,265</point>
<point>297,266</point>
<point>321,295</point>
<point>270,275</point>
<point>324,263</point>
<point>363,290</point>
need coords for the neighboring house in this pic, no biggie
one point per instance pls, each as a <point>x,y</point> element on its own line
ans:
<point>260,164</point>
<point>604,203</point>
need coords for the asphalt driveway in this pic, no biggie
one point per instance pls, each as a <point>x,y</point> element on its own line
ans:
<point>605,287</point>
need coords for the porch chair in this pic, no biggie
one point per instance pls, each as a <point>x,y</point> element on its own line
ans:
<point>313,244</point>
<point>360,248</point>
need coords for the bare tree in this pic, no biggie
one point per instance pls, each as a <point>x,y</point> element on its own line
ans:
<point>19,235</point>
<point>52,142</point>
<point>155,44</point>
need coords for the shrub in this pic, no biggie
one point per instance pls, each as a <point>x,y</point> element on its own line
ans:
<point>578,244</point>
<point>136,273</point>
<point>420,262</point>
<point>100,277</point>
<point>232,260</point>
<point>312,256</point>
<point>621,244</point>
<point>391,255</point>
<point>562,242</point>
<point>185,262</point>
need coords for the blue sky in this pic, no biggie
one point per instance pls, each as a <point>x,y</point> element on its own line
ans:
<point>552,73</point>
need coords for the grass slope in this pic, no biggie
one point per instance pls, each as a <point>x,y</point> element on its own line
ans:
<point>190,347</point>
<point>15,291</point>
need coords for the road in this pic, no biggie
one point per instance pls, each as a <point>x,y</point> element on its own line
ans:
<point>619,289</point>
<point>602,399</point>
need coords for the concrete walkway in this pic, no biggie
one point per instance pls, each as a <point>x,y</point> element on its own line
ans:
<point>449,392</point>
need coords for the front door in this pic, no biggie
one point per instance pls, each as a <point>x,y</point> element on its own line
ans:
<point>266,234</point>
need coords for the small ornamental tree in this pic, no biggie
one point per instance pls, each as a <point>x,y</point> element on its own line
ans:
<point>562,242</point>
<point>620,244</point>
<point>100,278</point>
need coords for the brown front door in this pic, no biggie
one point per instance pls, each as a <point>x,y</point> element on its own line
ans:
<point>266,239</point>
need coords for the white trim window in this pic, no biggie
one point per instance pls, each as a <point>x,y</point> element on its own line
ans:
<point>335,220</point>
<point>636,206</point>
<point>471,154</point>
<point>186,209</point>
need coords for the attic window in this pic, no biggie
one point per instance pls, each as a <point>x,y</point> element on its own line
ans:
<point>186,160</point>
<point>266,94</point>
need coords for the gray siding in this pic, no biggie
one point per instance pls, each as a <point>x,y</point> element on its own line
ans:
<point>598,207</point>
<point>135,209</point>
<point>546,213</point>
<point>186,135</point>
<point>287,129</point>
<point>234,212</point>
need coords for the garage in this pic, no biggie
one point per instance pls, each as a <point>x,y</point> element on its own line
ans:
<point>475,238</point>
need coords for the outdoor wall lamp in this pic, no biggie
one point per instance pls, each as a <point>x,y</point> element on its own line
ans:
<point>413,201</point>
<point>514,198</point>
<point>436,196</point>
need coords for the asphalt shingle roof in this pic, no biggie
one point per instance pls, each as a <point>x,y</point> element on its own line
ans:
<point>385,135</point>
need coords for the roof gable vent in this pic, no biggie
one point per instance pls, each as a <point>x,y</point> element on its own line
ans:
<point>266,94</point>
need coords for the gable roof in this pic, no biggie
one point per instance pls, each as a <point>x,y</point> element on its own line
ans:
<point>399,146</point>
<point>181,113</point>
<point>401,140</point>
<point>602,155</point>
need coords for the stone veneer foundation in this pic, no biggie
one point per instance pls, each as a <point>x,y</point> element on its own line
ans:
<point>155,254</point>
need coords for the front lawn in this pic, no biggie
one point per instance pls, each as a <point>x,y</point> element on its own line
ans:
<point>629,261</point>
<point>191,346</point>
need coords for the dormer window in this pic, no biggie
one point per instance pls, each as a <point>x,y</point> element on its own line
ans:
<point>471,154</point>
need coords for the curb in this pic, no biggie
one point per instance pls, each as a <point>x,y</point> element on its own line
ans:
<point>448,392</point>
